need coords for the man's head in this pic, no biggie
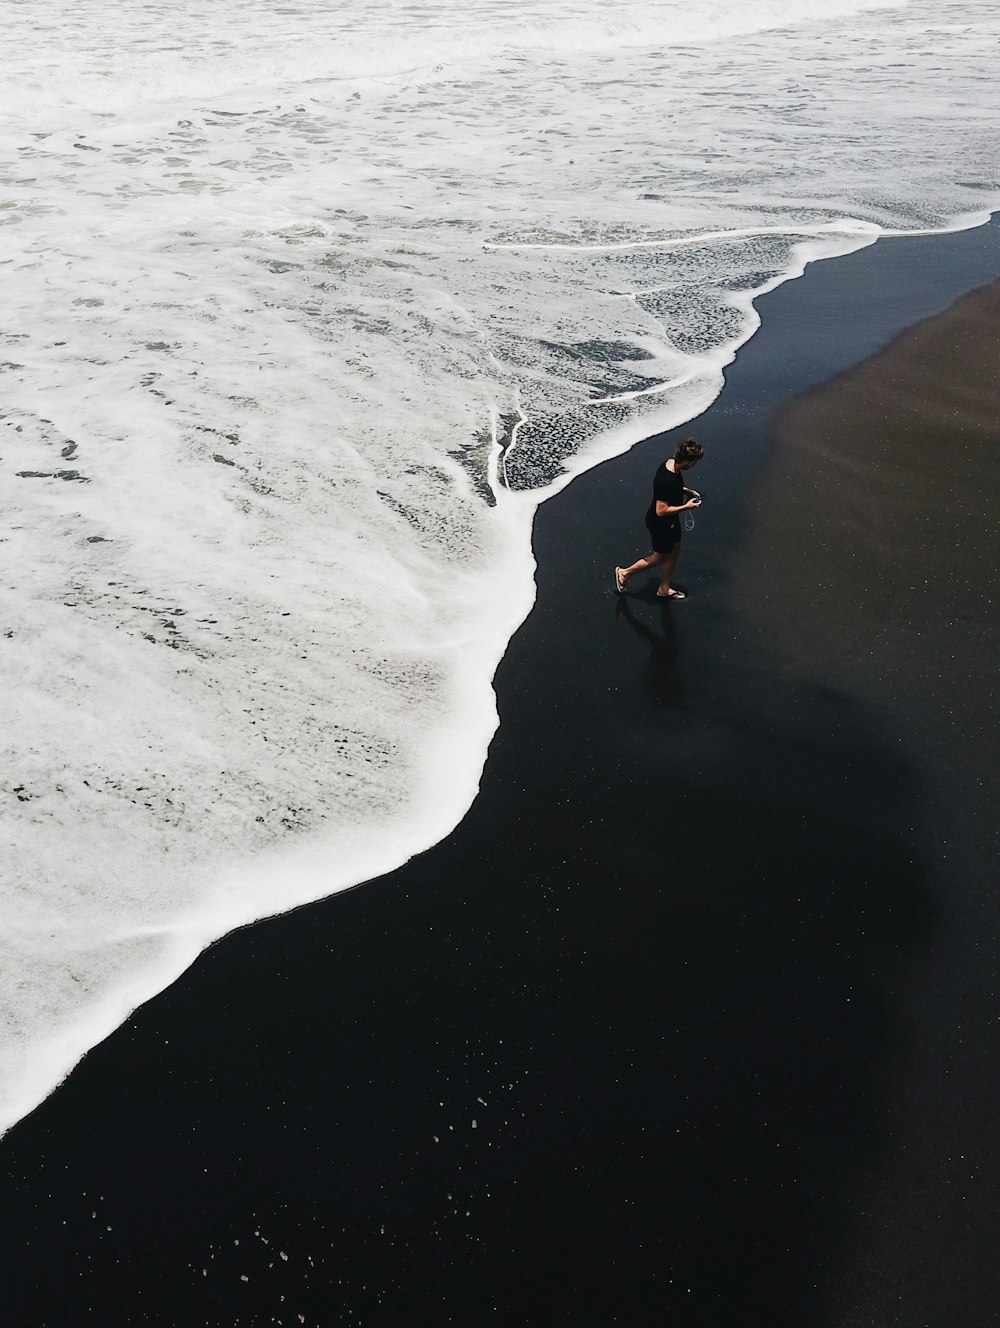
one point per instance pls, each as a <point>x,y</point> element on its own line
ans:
<point>688,454</point>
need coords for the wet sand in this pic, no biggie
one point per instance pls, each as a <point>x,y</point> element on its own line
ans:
<point>692,1020</point>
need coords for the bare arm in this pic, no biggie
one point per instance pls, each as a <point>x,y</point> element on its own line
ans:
<point>664,509</point>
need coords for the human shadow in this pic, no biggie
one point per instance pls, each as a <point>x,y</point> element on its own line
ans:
<point>661,671</point>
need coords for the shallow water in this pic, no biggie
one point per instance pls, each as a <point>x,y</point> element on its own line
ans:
<point>306,310</point>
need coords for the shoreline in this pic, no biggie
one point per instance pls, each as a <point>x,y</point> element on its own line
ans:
<point>604,1029</point>
<point>240,891</point>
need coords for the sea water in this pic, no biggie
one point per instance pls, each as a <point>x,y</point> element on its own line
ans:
<point>306,307</point>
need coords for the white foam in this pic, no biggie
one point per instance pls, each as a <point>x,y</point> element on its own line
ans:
<point>180,52</point>
<point>304,316</point>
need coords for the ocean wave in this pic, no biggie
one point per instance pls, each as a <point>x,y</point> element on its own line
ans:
<point>288,369</point>
<point>113,57</point>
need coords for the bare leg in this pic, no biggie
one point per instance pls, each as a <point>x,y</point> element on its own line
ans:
<point>669,563</point>
<point>650,560</point>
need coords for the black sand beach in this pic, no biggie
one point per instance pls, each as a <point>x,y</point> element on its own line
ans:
<point>693,1020</point>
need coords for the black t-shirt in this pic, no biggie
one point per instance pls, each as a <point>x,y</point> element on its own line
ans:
<point>668,487</point>
<point>665,531</point>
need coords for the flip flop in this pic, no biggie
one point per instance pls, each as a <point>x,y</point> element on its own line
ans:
<point>671,594</point>
<point>619,583</point>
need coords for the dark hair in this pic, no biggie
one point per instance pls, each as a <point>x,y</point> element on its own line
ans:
<point>688,451</point>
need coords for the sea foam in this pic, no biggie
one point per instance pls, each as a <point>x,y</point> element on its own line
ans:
<point>306,311</point>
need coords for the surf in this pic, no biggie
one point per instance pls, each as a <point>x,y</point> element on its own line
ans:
<point>307,313</point>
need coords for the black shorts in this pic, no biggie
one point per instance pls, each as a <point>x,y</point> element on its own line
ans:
<point>664,532</point>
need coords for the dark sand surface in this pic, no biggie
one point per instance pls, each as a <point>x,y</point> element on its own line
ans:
<point>693,1020</point>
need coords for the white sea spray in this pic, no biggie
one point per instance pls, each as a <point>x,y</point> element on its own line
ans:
<point>305,309</point>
